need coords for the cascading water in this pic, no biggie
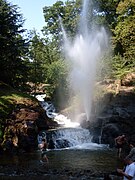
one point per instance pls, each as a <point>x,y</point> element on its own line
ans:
<point>69,134</point>
<point>62,120</point>
<point>73,138</point>
<point>84,52</point>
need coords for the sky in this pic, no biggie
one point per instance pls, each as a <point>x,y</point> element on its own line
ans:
<point>32,11</point>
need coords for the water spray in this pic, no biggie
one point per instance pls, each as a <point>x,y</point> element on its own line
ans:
<point>84,51</point>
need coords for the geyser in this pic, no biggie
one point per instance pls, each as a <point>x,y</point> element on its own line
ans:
<point>84,51</point>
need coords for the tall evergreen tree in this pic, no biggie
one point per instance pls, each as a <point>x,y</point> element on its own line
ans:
<point>13,47</point>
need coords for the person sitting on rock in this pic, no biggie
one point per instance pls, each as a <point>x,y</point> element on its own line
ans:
<point>120,141</point>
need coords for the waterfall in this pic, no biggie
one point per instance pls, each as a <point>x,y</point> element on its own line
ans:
<point>73,138</point>
<point>62,120</point>
<point>69,134</point>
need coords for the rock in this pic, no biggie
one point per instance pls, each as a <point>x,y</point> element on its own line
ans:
<point>25,122</point>
<point>128,80</point>
<point>117,117</point>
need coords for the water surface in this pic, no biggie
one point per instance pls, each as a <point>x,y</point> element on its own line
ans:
<point>61,162</point>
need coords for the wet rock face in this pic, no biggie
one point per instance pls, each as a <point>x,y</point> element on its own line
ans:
<point>62,143</point>
<point>109,133</point>
<point>24,123</point>
<point>117,118</point>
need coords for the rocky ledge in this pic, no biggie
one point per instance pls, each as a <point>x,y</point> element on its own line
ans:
<point>115,112</point>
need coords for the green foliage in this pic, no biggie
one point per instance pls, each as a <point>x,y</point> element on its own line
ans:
<point>46,65</point>
<point>36,55</point>
<point>120,67</point>
<point>42,53</point>
<point>6,100</point>
<point>104,67</point>
<point>106,10</point>
<point>124,39</point>
<point>57,73</point>
<point>67,12</point>
<point>9,97</point>
<point>124,32</point>
<point>12,45</point>
<point>119,16</point>
<point>57,77</point>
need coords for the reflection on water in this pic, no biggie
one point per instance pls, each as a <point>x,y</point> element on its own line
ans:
<point>83,159</point>
<point>98,160</point>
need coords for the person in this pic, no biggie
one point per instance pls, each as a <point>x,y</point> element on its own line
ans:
<point>129,172</point>
<point>120,141</point>
<point>43,147</point>
<point>132,151</point>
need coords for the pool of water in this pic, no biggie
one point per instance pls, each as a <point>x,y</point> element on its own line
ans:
<point>61,162</point>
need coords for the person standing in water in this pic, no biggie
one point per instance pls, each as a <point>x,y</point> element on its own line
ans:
<point>43,147</point>
<point>120,142</point>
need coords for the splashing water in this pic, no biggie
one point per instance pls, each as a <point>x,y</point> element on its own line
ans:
<point>84,52</point>
<point>62,120</point>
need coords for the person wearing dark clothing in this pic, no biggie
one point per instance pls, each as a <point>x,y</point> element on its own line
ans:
<point>43,147</point>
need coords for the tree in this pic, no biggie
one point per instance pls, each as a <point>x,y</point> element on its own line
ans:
<point>36,55</point>
<point>119,67</point>
<point>107,11</point>
<point>119,16</point>
<point>13,48</point>
<point>57,73</point>
<point>42,53</point>
<point>67,13</point>
<point>124,39</point>
<point>125,30</point>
